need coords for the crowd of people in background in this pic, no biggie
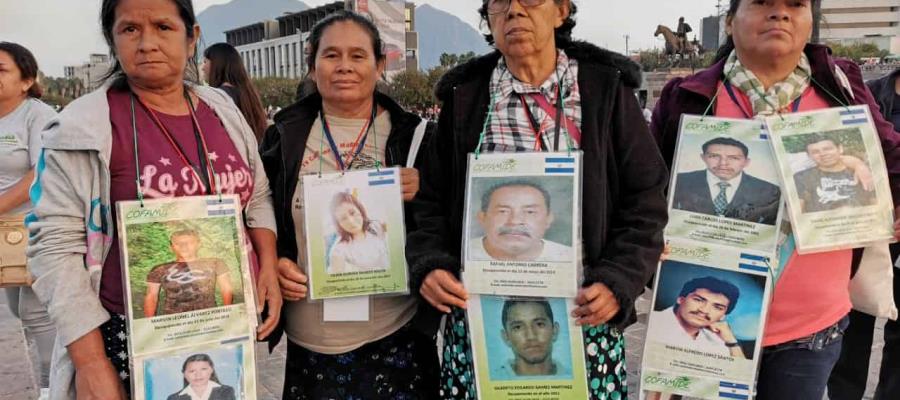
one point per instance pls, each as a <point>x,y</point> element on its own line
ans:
<point>87,153</point>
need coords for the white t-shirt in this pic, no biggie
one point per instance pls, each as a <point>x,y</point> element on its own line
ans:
<point>20,143</point>
<point>552,252</point>
<point>664,328</point>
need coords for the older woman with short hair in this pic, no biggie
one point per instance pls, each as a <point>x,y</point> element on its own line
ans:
<point>146,117</point>
<point>768,67</point>
<point>536,61</point>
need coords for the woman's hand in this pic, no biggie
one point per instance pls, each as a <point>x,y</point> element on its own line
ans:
<point>409,177</point>
<point>268,293</point>
<point>597,304</point>
<point>291,279</point>
<point>443,290</point>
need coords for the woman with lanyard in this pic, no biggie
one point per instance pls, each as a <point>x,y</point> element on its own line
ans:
<point>543,91</point>
<point>344,124</point>
<point>768,67</point>
<point>145,134</point>
<point>22,119</point>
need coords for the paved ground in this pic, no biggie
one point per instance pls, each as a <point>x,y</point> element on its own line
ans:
<point>17,378</point>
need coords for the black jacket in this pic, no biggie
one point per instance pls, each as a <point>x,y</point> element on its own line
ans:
<point>624,207</point>
<point>282,150</point>
<point>220,393</point>
<point>883,89</point>
<point>755,200</point>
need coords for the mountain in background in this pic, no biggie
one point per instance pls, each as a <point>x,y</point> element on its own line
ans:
<point>217,19</point>
<point>442,32</point>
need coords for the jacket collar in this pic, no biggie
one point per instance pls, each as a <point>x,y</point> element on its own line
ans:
<point>581,51</point>
<point>706,81</point>
<point>307,108</point>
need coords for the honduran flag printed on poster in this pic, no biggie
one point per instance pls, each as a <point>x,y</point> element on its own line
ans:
<point>559,165</point>
<point>219,207</point>
<point>754,263</point>
<point>386,177</point>
<point>729,390</point>
<point>853,116</point>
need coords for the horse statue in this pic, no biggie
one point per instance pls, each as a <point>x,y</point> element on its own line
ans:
<point>676,47</point>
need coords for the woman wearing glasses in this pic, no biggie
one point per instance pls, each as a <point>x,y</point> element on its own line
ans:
<point>536,65</point>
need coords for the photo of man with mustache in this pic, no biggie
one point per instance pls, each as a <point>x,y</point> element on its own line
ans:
<point>724,189</point>
<point>697,320</point>
<point>514,216</point>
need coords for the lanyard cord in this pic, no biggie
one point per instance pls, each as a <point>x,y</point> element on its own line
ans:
<point>560,110</point>
<point>358,145</point>
<point>208,176</point>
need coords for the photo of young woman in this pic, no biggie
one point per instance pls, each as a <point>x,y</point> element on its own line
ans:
<point>359,243</point>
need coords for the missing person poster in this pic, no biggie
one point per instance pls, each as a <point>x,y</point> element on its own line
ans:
<point>186,271</point>
<point>526,348</point>
<point>355,234</point>
<point>835,179</point>
<point>706,322</point>
<point>725,186</point>
<point>225,370</point>
<point>523,224</point>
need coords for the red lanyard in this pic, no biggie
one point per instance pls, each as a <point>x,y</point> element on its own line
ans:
<point>208,179</point>
<point>538,133</point>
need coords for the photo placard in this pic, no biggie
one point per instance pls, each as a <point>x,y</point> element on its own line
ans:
<point>835,178</point>
<point>523,224</point>
<point>356,237</point>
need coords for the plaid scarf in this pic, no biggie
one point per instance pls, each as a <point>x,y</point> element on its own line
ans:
<point>779,96</point>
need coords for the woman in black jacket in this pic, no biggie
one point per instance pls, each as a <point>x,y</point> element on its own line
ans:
<point>384,357</point>
<point>624,177</point>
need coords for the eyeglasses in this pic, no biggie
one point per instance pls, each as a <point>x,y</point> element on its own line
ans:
<point>495,7</point>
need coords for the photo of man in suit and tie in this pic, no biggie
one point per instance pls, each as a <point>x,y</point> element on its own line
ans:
<point>724,189</point>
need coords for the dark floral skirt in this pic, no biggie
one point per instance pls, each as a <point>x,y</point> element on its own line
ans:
<point>402,366</point>
<point>604,353</point>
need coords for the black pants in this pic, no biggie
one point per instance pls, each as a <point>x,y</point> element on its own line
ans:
<point>848,379</point>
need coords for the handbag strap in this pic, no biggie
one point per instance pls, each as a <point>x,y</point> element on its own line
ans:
<point>571,126</point>
<point>418,137</point>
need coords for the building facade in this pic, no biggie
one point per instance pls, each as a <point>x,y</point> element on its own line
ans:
<point>855,21</point>
<point>90,73</point>
<point>278,48</point>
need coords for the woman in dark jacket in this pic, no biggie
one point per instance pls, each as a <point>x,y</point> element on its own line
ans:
<point>383,357</point>
<point>624,178</point>
<point>773,69</point>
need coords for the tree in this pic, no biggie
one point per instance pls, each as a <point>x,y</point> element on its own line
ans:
<point>410,89</point>
<point>858,51</point>
<point>450,60</point>
<point>276,92</point>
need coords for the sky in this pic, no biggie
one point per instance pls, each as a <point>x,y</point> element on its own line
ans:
<point>65,32</point>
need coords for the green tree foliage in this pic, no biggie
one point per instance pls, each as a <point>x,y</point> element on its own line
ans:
<point>148,246</point>
<point>415,89</point>
<point>276,92</point>
<point>449,60</point>
<point>858,51</point>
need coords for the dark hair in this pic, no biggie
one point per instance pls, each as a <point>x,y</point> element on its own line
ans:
<point>345,197</point>
<point>724,141</point>
<point>315,35</point>
<point>27,64</point>
<point>726,49</point>
<point>184,232</point>
<point>817,137</point>
<point>509,304</point>
<point>200,358</point>
<point>563,34</point>
<point>486,197</point>
<point>108,19</point>
<point>227,66</point>
<point>714,285</point>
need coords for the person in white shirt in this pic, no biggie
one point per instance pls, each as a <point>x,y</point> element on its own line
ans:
<point>201,382</point>
<point>515,215</point>
<point>724,189</point>
<point>697,320</point>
